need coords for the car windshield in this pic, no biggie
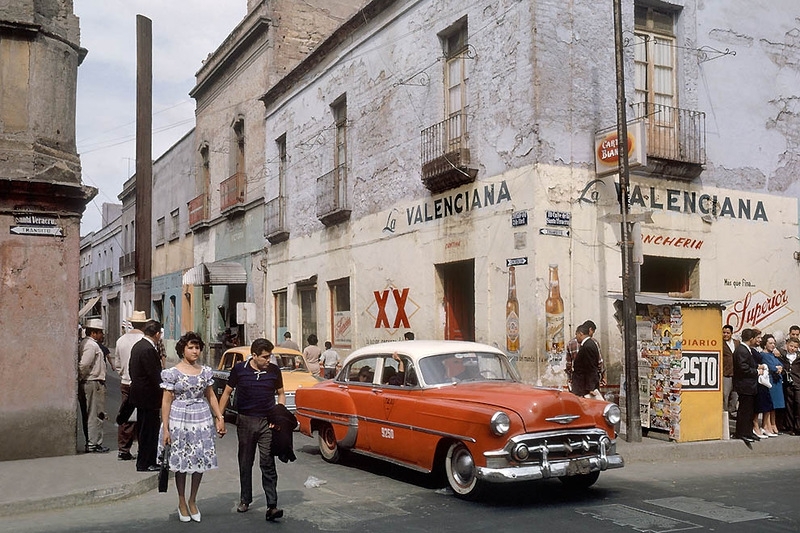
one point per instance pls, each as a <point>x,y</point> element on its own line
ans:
<point>467,366</point>
<point>289,362</point>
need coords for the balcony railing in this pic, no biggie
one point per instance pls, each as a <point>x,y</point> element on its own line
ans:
<point>332,205</point>
<point>127,264</point>
<point>275,228</point>
<point>445,154</point>
<point>198,211</point>
<point>676,140</point>
<point>231,192</point>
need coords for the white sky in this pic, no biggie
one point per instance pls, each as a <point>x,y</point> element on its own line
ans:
<point>184,33</point>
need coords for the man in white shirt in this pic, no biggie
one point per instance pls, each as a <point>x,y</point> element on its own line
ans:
<point>92,384</point>
<point>126,429</point>
<point>329,360</point>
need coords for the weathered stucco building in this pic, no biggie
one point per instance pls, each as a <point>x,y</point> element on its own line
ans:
<point>226,214</point>
<point>427,146</point>
<point>41,201</point>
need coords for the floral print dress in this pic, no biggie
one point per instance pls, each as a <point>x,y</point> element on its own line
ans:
<point>191,425</point>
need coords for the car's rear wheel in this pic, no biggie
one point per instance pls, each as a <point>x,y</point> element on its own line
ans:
<point>328,447</point>
<point>461,472</point>
<point>580,481</point>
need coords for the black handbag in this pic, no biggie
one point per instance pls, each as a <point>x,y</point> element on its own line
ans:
<point>163,472</point>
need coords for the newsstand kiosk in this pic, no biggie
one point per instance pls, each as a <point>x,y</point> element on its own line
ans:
<point>679,342</point>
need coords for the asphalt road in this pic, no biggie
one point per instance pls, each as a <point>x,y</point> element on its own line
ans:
<point>369,496</point>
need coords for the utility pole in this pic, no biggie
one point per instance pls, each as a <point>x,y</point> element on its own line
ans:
<point>633,419</point>
<point>144,162</point>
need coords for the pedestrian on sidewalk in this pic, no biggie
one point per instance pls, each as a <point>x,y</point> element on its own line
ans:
<point>288,342</point>
<point>145,394</point>
<point>257,382</point>
<point>329,360</point>
<point>126,429</point>
<point>188,426</point>
<point>311,355</point>
<point>729,396</point>
<point>92,385</point>
<point>791,387</point>
<point>586,365</point>
<point>745,380</point>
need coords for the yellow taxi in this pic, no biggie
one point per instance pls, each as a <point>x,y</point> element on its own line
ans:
<point>293,369</point>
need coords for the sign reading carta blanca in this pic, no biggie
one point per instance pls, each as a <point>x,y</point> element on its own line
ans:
<point>606,149</point>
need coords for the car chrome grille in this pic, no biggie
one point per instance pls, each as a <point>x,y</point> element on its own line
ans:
<point>544,448</point>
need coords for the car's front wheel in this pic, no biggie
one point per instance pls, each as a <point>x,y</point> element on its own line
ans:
<point>461,472</point>
<point>328,447</point>
<point>580,481</point>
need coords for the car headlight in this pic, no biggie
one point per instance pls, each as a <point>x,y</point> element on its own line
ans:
<point>612,414</point>
<point>500,423</point>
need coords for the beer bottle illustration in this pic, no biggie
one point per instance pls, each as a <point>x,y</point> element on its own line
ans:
<point>512,314</point>
<point>554,320</point>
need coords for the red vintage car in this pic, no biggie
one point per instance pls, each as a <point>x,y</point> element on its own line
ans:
<point>460,406</point>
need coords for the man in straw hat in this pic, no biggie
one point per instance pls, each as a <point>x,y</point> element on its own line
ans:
<point>92,384</point>
<point>126,429</point>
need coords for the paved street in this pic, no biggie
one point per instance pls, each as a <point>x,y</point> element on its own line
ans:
<point>365,495</point>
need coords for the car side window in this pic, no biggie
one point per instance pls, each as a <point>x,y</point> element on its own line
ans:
<point>362,370</point>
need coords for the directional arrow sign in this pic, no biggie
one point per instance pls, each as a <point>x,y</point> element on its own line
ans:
<point>52,231</point>
<point>558,232</point>
<point>517,261</point>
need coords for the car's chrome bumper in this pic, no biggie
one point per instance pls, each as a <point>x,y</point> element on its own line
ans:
<point>551,454</point>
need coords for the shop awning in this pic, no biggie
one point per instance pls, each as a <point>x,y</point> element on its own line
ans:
<point>86,308</point>
<point>217,273</point>
<point>654,298</point>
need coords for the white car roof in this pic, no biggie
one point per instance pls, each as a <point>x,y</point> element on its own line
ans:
<point>422,348</point>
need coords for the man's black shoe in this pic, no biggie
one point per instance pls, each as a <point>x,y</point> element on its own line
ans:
<point>151,468</point>
<point>748,439</point>
<point>125,456</point>
<point>97,448</point>
<point>273,514</point>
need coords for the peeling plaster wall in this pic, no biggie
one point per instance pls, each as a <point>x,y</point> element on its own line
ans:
<point>751,98</point>
<point>541,83</point>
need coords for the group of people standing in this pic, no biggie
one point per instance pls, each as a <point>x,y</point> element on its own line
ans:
<point>761,383</point>
<point>320,363</point>
<point>177,410</point>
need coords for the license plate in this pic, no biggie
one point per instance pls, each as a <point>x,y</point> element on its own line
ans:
<point>579,466</point>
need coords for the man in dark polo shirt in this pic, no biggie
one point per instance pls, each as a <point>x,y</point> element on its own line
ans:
<point>257,382</point>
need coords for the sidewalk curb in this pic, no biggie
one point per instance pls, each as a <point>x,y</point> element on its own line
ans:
<point>107,493</point>
<point>653,450</point>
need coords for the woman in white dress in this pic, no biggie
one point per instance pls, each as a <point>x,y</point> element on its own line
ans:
<point>187,424</point>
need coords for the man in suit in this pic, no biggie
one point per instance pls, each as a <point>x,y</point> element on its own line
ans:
<point>145,394</point>
<point>586,366</point>
<point>745,380</point>
<point>729,396</point>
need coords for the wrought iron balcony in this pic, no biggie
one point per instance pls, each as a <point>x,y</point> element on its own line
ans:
<point>676,141</point>
<point>275,229</point>
<point>445,154</point>
<point>332,204</point>
<point>231,194</point>
<point>127,264</point>
<point>198,212</point>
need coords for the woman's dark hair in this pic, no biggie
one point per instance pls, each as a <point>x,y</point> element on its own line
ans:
<point>183,342</point>
<point>765,338</point>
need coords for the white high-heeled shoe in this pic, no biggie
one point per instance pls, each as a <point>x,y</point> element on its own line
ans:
<point>195,516</point>
<point>182,517</point>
